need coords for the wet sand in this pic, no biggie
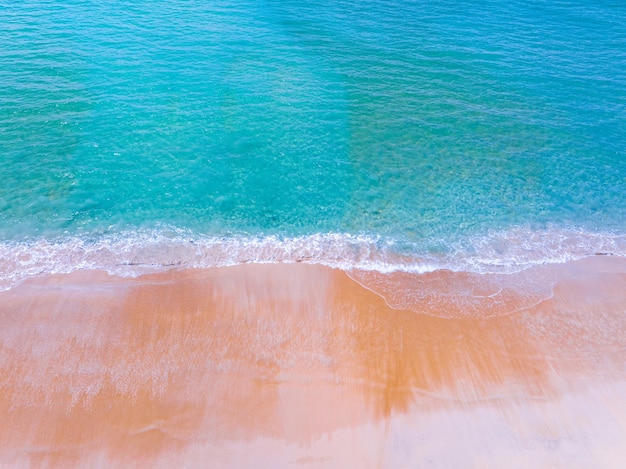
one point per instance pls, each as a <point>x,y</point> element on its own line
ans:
<point>302,365</point>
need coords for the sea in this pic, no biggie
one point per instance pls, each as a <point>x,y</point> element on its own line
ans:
<point>406,135</point>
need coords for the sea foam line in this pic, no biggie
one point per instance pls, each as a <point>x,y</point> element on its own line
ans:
<point>133,253</point>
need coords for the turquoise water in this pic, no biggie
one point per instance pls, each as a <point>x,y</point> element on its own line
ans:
<point>379,131</point>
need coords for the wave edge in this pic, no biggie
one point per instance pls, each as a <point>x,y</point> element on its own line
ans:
<point>133,253</point>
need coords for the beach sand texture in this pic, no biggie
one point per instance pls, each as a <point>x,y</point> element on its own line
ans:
<point>281,365</point>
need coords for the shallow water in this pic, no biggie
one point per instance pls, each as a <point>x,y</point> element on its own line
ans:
<point>431,127</point>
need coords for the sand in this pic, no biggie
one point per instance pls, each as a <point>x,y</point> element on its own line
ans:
<point>302,365</point>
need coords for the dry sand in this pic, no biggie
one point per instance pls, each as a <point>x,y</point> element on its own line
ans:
<point>302,365</point>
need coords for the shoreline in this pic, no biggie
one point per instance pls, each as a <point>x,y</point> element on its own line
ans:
<point>274,364</point>
<point>140,252</point>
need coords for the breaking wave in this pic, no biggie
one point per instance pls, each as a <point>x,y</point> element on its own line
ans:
<point>134,253</point>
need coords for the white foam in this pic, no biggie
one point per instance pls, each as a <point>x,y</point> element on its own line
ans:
<point>134,253</point>
<point>520,247</point>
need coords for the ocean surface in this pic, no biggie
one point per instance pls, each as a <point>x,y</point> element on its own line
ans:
<point>372,134</point>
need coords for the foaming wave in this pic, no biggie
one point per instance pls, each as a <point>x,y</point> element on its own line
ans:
<point>520,248</point>
<point>136,253</point>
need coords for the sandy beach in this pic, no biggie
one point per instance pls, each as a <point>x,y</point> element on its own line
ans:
<point>302,365</point>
